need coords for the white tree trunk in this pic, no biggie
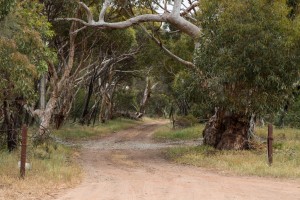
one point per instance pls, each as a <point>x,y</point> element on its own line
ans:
<point>43,92</point>
<point>45,117</point>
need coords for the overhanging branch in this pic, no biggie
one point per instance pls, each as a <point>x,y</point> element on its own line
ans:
<point>174,17</point>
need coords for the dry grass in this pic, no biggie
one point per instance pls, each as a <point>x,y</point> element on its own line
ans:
<point>47,175</point>
<point>54,166</point>
<point>286,157</point>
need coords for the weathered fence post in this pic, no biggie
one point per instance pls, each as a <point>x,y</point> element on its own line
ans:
<point>23,151</point>
<point>270,144</point>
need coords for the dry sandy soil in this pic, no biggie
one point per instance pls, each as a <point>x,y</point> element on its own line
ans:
<point>128,165</point>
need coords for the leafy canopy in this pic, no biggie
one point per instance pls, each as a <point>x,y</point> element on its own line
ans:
<point>248,54</point>
<point>23,49</point>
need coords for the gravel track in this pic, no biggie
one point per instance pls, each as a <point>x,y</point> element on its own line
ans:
<point>128,165</point>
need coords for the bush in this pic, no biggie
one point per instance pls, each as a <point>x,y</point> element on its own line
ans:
<point>185,121</point>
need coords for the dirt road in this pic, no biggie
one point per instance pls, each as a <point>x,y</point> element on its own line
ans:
<point>129,166</point>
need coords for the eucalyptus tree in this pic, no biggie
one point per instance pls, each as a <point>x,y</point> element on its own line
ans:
<point>23,55</point>
<point>78,52</point>
<point>248,54</point>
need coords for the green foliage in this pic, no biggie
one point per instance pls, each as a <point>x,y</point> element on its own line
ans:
<point>23,50</point>
<point>248,53</point>
<point>185,87</point>
<point>294,5</point>
<point>126,100</point>
<point>76,111</point>
<point>5,7</point>
<point>16,71</point>
<point>291,117</point>
<point>158,105</point>
<point>30,30</point>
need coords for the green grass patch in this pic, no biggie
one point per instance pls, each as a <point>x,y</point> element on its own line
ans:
<point>166,133</point>
<point>286,157</point>
<point>79,132</point>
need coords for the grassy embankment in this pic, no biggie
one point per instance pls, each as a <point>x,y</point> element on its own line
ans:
<point>286,158</point>
<point>53,167</point>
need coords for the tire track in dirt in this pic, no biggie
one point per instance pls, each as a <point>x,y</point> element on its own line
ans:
<point>128,165</point>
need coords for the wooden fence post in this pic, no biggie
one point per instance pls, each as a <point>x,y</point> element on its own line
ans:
<point>270,144</point>
<point>23,151</point>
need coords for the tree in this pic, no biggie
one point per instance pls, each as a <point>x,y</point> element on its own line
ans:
<point>79,52</point>
<point>22,58</point>
<point>248,56</point>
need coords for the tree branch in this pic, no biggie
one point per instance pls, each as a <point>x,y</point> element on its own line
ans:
<point>89,14</point>
<point>103,10</point>
<point>191,65</point>
<point>173,18</point>
<point>124,24</point>
<point>176,8</point>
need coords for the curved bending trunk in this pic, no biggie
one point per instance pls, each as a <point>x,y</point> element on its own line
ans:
<point>227,131</point>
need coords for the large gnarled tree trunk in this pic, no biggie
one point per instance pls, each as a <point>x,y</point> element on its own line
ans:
<point>226,130</point>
